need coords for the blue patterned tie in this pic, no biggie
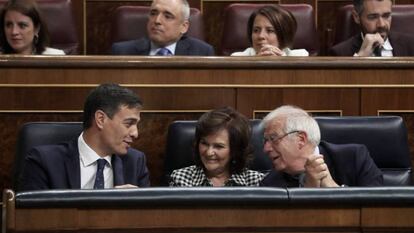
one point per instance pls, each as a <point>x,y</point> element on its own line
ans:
<point>163,52</point>
<point>99,180</point>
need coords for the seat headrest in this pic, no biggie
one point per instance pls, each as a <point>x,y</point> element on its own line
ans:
<point>41,133</point>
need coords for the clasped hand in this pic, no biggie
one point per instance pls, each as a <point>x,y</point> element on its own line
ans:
<point>270,50</point>
<point>370,42</point>
<point>317,173</point>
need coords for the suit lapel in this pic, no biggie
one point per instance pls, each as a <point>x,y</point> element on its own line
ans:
<point>182,46</point>
<point>356,43</point>
<point>397,46</point>
<point>143,47</point>
<point>72,165</point>
<point>118,169</point>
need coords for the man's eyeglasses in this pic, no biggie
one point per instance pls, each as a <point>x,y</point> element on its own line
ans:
<point>274,138</point>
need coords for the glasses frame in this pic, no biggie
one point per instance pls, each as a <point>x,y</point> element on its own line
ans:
<point>274,138</point>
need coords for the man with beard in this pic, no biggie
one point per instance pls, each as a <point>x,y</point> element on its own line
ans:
<point>374,18</point>
<point>168,21</point>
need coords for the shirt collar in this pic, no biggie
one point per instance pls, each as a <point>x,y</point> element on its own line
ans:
<point>87,155</point>
<point>387,45</point>
<point>316,150</point>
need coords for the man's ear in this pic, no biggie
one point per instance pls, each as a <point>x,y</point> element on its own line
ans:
<point>302,139</point>
<point>355,15</point>
<point>184,27</point>
<point>100,118</point>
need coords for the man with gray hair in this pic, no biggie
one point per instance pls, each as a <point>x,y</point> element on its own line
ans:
<point>168,21</point>
<point>375,39</point>
<point>300,159</point>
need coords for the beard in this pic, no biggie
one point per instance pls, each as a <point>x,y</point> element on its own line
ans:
<point>383,31</point>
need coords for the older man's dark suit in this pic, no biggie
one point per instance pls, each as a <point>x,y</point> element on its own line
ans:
<point>402,45</point>
<point>58,167</point>
<point>186,46</point>
<point>349,164</point>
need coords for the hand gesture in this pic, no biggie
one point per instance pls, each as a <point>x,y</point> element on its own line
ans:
<point>370,42</point>
<point>317,173</point>
<point>270,50</point>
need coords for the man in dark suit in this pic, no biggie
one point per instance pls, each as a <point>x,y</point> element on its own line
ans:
<point>167,24</point>
<point>375,39</point>
<point>292,142</point>
<point>101,156</point>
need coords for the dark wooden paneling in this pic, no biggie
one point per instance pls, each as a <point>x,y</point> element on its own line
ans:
<point>345,101</point>
<point>99,16</point>
<point>326,18</point>
<point>78,13</point>
<point>192,219</point>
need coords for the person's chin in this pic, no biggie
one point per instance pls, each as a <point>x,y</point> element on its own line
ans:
<point>210,166</point>
<point>16,47</point>
<point>122,151</point>
<point>278,166</point>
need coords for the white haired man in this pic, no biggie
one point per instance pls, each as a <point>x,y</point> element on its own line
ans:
<point>300,159</point>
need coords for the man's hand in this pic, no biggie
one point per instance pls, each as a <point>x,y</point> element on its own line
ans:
<point>317,173</point>
<point>370,42</point>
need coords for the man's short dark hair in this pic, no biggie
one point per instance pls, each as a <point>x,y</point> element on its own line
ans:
<point>359,5</point>
<point>108,98</point>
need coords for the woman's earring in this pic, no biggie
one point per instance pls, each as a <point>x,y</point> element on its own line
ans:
<point>36,39</point>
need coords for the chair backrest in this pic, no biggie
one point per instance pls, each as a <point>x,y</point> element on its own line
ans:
<point>235,36</point>
<point>179,149</point>
<point>402,17</point>
<point>384,136</point>
<point>41,133</point>
<point>130,23</point>
<point>60,22</point>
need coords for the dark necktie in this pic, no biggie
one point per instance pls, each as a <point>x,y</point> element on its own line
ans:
<point>163,52</point>
<point>99,180</point>
<point>377,51</point>
<point>293,180</point>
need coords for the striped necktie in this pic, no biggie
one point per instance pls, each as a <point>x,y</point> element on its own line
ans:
<point>164,52</point>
